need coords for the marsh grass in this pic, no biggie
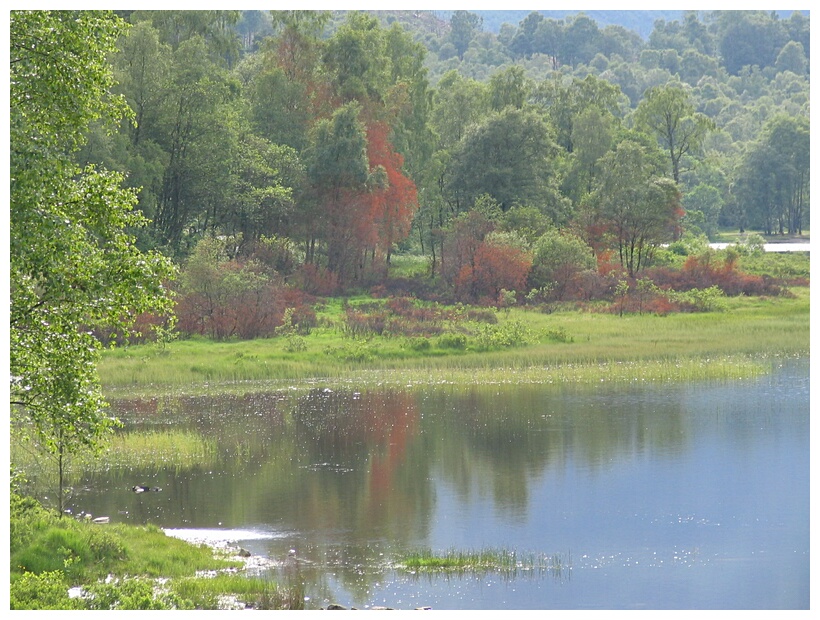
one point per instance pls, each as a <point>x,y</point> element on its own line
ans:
<point>167,449</point>
<point>232,590</point>
<point>149,450</point>
<point>592,347</point>
<point>486,560</point>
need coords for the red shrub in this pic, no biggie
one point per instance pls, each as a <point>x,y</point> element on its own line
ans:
<point>316,280</point>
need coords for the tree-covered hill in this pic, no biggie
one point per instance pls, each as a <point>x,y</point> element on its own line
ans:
<point>305,150</point>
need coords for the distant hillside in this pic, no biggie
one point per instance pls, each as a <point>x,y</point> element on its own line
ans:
<point>641,22</point>
<point>638,21</point>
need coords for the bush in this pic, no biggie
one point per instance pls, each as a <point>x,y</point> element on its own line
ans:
<point>452,341</point>
<point>131,594</point>
<point>47,590</point>
<point>559,334</point>
<point>419,344</point>
<point>510,334</point>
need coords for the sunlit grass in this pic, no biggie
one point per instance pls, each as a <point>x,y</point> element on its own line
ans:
<point>225,590</point>
<point>152,449</point>
<point>485,560</point>
<point>597,346</point>
<point>168,449</point>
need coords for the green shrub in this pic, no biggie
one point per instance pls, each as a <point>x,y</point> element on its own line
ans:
<point>131,594</point>
<point>559,334</point>
<point>47,590</point>
<point>419,343</point>
<point>452,341</point>
<point>504,335</point>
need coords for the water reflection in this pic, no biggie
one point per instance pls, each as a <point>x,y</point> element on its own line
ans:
<point>663,496</point>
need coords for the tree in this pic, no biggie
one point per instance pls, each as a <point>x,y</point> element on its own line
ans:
<point>508,88</point>
<point>463,27</point>
<point>580,40</point>
<point>73,267</point>
<point>792,58</point>
<point>774,176</point>
<point>191,129</point>
<point>564,101</point>
<point>356,58</point>
<point>338,174</point>
<point>392,206</point>
<point>667,112</point>
<point>638,206</point>
<point>749,38</point>
<point>557,259</point>
<point>703,204</point>
<point>510,157</point>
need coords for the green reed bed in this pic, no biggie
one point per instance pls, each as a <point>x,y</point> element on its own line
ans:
<point>143,450</point>
<point>238,591</point>
<point>485,560</point>
<point>174,449</point>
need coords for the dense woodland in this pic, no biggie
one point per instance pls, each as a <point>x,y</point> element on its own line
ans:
<point>290,153</point>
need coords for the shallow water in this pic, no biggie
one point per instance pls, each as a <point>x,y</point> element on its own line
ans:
<point>649,496</point>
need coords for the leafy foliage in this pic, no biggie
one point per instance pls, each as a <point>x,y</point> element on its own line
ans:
<point>74,266</point>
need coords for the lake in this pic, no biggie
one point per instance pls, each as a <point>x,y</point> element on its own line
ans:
<point>655,496</point>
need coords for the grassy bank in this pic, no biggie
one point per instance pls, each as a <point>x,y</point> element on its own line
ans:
<point>118,566</point>
<point>562,346</point>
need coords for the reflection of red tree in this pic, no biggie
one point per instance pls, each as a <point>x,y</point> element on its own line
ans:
<point>391,424</point>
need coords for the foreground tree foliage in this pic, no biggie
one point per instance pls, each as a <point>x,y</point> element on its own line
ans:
<point>73,265</point>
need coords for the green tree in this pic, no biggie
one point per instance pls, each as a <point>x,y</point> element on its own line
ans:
<point>217,28</point>
<point>73,267</point>
<point>565,100</point>
<point>510,157</point>
<point>774,177</point>
<point>703,205</point>
<point>792,58</point>
<point>557,259</point>
<point>749,38</point>
<point>191,129</point>
<point>338,171</point>
<point>639,207</point>
<point>508,88</point>
<point>463,27</point>
<point>667,112</point>
<point>356,56</point>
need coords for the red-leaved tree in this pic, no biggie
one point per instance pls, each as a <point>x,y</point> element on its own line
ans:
<point>393,206</point>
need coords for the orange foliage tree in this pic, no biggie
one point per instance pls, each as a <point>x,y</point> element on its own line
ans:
<point>494,267</point>
<point>392,206</point>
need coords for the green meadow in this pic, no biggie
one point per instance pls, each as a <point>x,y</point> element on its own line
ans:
<point>524,345</point>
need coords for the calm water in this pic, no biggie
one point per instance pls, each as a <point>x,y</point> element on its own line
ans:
<point>660,497</point>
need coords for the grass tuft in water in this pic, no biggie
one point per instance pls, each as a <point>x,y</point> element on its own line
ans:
<point>486,560</point>
<point>239,591</point>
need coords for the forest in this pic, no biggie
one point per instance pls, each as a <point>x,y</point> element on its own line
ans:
<point>282,155</point>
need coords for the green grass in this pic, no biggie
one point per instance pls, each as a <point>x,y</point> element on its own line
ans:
<point>168,449</point>
<point>238,591</point>
<point>485,560</point>
<point>85,552</point>
<point>595,346</point>
<point>49,554</point>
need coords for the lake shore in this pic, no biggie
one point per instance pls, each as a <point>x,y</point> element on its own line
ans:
<point>593,346</point>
